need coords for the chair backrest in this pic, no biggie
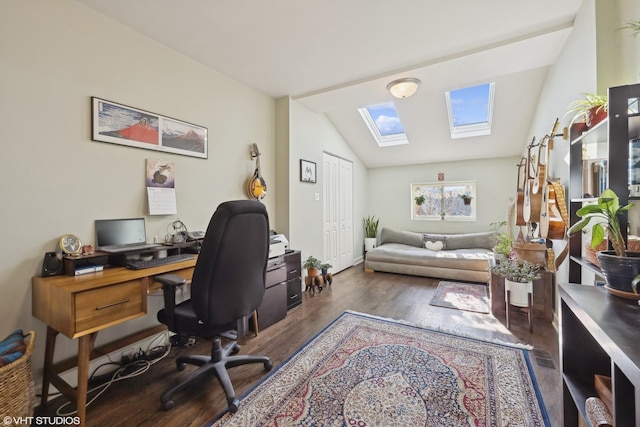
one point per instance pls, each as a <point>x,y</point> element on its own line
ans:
<point>229,277</point>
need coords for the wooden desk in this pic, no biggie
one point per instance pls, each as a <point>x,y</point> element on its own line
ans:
<point>81,306</point>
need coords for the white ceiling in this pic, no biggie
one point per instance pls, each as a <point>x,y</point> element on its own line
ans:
<point>334,56</point>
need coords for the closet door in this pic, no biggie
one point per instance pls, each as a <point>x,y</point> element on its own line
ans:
<point>338,212</point>
<point>330,209</point>
<point>346,214</point>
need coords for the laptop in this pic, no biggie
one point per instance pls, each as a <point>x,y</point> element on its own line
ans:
<point>122,235</point>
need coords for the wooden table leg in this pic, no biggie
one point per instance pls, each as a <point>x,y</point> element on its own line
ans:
<point>254,318</point>
<point>508,309</point>
<point>530,314</point>
<point>52,334</point>
<point>85,343</point>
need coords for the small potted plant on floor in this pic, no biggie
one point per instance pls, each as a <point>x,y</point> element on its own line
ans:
<point>370,225</point>
<point>324,267</point>
<point>313,266</point>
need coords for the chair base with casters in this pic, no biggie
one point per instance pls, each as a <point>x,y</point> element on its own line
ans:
<point>220,359</point>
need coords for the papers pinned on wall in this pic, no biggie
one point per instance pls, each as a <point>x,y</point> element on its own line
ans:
<point>161,192</point>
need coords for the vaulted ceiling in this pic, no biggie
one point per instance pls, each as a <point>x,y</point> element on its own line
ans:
<point>334,56</point>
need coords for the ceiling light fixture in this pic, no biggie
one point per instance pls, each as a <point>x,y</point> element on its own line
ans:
<point>404,88</point>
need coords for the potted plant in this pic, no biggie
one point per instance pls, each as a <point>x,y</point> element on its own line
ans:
<point>592,107</point>
<point>370,225</point>
<point>634,26</point>
<point>502,249</point>
<point>466,199</point>
<point>420,200</point>
<point>313,266</point>
<point>619,266</point>
<point>324,267</point>
<point>518,279</point>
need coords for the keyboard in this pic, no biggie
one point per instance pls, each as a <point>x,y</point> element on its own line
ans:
<point>138,264</point>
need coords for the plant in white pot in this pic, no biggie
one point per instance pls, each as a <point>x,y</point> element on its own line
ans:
<point>370,225</point>
<point>518,279</point>
<point>619,266</point>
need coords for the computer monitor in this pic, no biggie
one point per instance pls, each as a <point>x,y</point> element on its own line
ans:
<point>116,232</point>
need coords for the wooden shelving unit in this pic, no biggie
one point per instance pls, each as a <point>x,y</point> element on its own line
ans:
<point>599,336</point>
<point>614,134</point>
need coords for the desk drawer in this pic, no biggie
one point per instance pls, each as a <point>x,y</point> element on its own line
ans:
<point>108,304</point>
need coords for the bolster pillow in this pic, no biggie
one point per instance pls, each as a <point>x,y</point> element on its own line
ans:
<point>391,235</point>
<point>484,240</point>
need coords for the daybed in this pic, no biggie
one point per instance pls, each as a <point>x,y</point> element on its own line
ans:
<point>447,256</point>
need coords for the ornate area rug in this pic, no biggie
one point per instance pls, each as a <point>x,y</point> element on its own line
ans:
<point>461,296</point>
<point>367,371</point>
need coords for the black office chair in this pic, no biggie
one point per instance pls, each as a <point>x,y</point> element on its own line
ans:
<point>228,284</point>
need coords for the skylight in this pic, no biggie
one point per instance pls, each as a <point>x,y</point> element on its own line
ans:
<point>384,124</point>
<point>470,110</point>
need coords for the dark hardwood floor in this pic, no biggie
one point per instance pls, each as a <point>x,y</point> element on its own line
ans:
<point>136,401</point>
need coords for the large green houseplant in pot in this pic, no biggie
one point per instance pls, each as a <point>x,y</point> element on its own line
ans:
<point>370,225</point>
<point>619,266</point>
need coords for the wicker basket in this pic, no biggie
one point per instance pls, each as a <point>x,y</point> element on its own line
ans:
<point>17,395</point>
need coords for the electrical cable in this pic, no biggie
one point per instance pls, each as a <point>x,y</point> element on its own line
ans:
<point>141,366</point>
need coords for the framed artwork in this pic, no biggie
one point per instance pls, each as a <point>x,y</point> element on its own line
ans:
<point>124,125</point>
<point>307,171</point>
<point>444,201</point>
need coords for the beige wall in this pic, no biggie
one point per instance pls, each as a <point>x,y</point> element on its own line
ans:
<point>389,193</point>
<point>55,55</point>
<point>311,134</point>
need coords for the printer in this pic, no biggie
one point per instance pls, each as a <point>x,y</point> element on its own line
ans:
<point>278,245</point>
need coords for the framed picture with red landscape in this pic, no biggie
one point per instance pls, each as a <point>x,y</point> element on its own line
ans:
<point>124,125</point>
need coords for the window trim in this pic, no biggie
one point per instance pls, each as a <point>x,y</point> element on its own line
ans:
<point>381,140</point>
<point>415,192</point>
<point>473,129</point>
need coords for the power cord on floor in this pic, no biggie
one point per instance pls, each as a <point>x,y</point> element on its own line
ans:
<point>126,370</point>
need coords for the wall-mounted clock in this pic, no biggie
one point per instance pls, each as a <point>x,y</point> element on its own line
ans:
<point>70,244</point>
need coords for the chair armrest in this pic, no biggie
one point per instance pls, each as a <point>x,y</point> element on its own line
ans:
<point>169,284</point>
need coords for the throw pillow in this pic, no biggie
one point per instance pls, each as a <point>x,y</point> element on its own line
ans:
<point>438,245</point>
<point>435,242</point>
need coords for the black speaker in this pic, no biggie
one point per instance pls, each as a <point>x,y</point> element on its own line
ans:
<point>52,264</point>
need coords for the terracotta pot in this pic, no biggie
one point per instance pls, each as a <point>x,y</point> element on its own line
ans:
<point>594,116</point>
<point>313,272</point>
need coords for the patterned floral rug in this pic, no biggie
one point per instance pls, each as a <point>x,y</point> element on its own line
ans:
<point>461,296</point>
<point>368,371</point>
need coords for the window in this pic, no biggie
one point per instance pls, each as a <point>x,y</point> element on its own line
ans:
<point>470,110</point>
<point>384,124</point>
<point>451,201</point>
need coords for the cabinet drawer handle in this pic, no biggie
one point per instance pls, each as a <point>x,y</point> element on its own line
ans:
<point>293,296</point>
<point>102,307</point>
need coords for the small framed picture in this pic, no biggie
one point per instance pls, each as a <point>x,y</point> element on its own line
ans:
<point>307,171</point>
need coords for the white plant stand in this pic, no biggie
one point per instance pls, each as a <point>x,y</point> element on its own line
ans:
<point>519,295</point>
